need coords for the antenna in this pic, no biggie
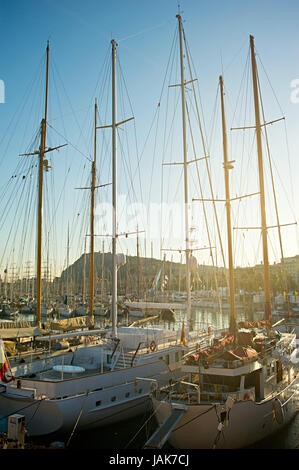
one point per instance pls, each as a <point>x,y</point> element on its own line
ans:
<point>221,60</point>
<point>179,10</point>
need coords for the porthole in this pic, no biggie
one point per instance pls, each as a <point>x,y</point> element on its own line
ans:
<point>98,403</point>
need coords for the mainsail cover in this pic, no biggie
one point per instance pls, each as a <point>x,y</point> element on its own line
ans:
<point>241,354</point>
<point>70,324</point>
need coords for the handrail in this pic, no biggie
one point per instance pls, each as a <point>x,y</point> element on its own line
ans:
<point>281,391</point>
<point>113,364</point>
<point>145,379</point>
<point>115,348</point>
<point>137,349</point>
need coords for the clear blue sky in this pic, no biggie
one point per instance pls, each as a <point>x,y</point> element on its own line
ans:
<point>80,34</point>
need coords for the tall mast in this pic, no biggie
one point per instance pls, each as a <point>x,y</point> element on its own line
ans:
<point>268,313</point>
<point>127,277</point>
<point>227,166</point>
<point>114,192</point>
<point>180,272</point>
<point>138,267</point>
<point>93,184</point>
<point>5,285</point>
<point>103,265</point>
<point>47,271</point>
<point>84,273</point>
<point>187,243</point>
<point>151,268</point>
<point>67,263</point>
<point>163,278</point>
<point>40,200</point>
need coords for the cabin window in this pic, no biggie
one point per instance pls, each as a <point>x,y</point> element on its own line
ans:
<point>140,390</point>
<point>113,398</point>
<point>250,380</point>
<point>127,394</point>
<point>108,358</point>
<point>223,383</point>
<point>98,403</point>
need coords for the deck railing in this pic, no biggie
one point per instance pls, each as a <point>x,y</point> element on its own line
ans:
<point>220,394</point>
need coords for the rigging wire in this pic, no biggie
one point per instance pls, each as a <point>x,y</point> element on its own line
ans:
<point>202,131</point>
<point>287,143</point>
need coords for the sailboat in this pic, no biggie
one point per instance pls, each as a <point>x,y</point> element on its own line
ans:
<point>109,378</point>
<point>244,387</point>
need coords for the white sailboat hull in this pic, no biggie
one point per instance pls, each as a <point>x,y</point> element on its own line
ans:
<point>248,423</point>
<point>50,417</point>
<point>99,400</point>
<point>64,312</point>
<point>59,416</point>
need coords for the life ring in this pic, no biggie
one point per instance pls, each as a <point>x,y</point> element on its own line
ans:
<point>153,346</point>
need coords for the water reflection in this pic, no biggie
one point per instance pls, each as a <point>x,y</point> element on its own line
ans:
<point>203,318</point>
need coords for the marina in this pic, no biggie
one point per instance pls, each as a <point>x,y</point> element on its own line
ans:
<point>104,346</point>
<point>134,433</point>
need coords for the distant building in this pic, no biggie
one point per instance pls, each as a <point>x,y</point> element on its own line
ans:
<point>292,266</point>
